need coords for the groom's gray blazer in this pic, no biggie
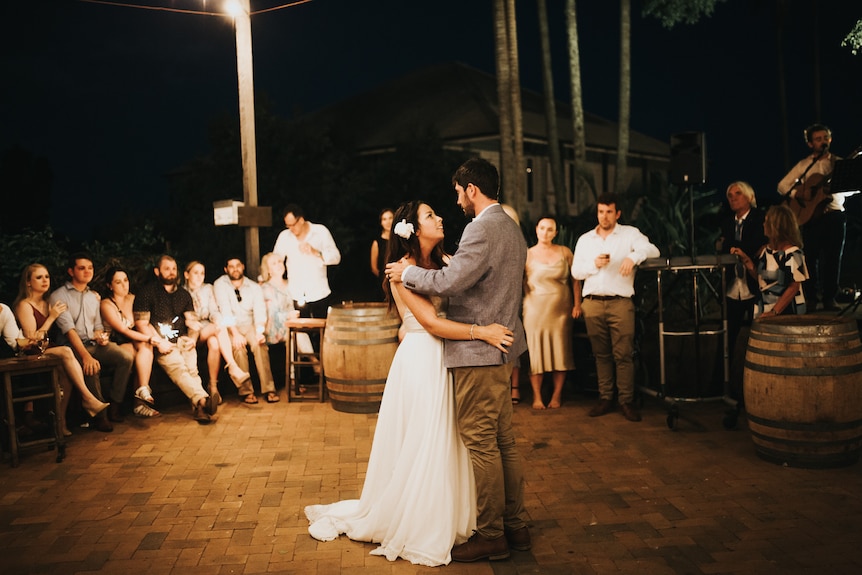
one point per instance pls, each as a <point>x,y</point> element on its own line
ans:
<point>483,281</point>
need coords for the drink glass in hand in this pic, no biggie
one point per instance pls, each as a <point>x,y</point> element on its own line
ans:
<point>102,337</point>
<point>42,341</point>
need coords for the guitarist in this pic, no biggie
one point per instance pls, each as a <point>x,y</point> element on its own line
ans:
<point>806,189</point>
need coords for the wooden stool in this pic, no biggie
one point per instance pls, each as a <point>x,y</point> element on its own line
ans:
<point>31,390</point>
<point>296,360</point>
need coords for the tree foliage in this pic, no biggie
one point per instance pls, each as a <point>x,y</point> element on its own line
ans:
<point>673,12</point>
<point>853,40</point>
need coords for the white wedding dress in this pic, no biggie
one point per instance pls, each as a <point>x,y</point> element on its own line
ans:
<point>419,498</point>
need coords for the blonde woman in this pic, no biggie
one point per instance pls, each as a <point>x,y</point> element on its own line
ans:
<point>279,308</point>
<point>216,338</point>
<point>34,315</point>
<point>551,300</point>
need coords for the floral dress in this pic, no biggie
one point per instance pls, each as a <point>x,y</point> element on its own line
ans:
<point>776,270</point>
<point>279,308</point>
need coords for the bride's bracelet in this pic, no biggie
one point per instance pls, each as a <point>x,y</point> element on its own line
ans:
<point>471,331</point>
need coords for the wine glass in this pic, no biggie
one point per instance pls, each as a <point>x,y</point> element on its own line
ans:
<point>41,337</point>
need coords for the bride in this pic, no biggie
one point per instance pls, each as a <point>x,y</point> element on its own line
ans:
<point>419,498</point>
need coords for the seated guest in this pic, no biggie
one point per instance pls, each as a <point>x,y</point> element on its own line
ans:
<point>81,329</point>
<point>119,319</point>
<point>243,312</point>
<point>34,314</point>
<point>166,315</point>
<point>211,331</point>
<point>279,309</point>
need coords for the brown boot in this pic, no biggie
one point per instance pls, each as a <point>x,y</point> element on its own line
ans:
<point>480,547</point>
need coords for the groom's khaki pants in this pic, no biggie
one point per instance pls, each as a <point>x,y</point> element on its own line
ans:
<point>484,411</point>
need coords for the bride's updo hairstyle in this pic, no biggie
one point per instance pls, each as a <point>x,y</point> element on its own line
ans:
<point>406,221</point>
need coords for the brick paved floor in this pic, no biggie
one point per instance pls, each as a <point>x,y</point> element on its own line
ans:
<point>167,496</point>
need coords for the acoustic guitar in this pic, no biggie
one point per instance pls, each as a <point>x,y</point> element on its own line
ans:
<point>811,198</point>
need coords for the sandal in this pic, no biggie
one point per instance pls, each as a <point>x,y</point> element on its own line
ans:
<point>272,397</point>
<point>144,394</point>
<point>250,399</point>
<point>516,396</point>
<point>144,410</point>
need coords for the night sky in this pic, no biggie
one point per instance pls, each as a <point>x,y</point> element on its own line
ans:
<point>116,97</point>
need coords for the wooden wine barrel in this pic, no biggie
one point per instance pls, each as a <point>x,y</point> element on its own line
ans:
<point>358,346</point>
<point>803,390</point>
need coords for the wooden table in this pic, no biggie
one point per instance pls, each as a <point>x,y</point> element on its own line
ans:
<point>295,360</point>
<point>18,390</point>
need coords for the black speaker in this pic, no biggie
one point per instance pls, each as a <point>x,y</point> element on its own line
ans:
<point>687,158</point>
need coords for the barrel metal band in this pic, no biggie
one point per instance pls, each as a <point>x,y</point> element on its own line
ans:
<point>809,370</point>
<point>355,381</point>
<point>332,340</point>
<point>800,426</point>
<point>794,353</point>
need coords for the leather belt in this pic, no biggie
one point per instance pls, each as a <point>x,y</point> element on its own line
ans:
<point>605,297</point>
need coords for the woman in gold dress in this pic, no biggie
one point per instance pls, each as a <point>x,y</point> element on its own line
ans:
<point>551,300</point>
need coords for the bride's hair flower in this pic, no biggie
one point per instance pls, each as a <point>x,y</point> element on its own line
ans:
<point>404,229</point>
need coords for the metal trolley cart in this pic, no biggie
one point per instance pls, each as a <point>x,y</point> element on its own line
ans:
<point>707,272</point>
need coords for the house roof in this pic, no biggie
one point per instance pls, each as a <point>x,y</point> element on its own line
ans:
<point>460,103</point>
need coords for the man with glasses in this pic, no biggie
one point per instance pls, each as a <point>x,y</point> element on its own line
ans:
<point>167,314</point>
<point>243,310</point>
<point>309,249</point>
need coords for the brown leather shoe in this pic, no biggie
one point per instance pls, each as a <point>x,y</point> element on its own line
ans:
<point>479,547</point>
<point>630,412</point>
<point>200,413</point>
<point>101,423</point>
<point>519,539</point>
<point>601,408</point>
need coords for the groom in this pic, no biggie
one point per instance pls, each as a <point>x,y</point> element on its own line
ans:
<point>483,282</point>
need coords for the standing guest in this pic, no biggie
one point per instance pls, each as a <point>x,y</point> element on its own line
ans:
<point>742,229</point>
<point>483,282</point>
<point>81,329</point>
<point>243,312</point>
<point>33,314</point>
<point>309,249</point>
<point>381,243</point>
<point>118,317</point>
<point>549,304</point>
<point>605,260</point>
<point>824,230</point>
<point>781,268</point>
<point>166,315</point>
<point>211,331</point>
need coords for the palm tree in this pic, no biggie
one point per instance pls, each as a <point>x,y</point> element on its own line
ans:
<point>509,97</point>
<point>562,206</point>
<point>579,140</point>
<point>620,178</point>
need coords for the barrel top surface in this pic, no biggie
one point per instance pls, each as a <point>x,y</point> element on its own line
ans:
<point>305,322</point>
<point>805,325</point>
<point>362,309</point>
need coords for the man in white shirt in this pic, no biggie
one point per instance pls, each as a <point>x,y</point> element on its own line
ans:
<point>821,216</point>
<point>309,249</point>
<point>605,260</point>
<point>243,312</point>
